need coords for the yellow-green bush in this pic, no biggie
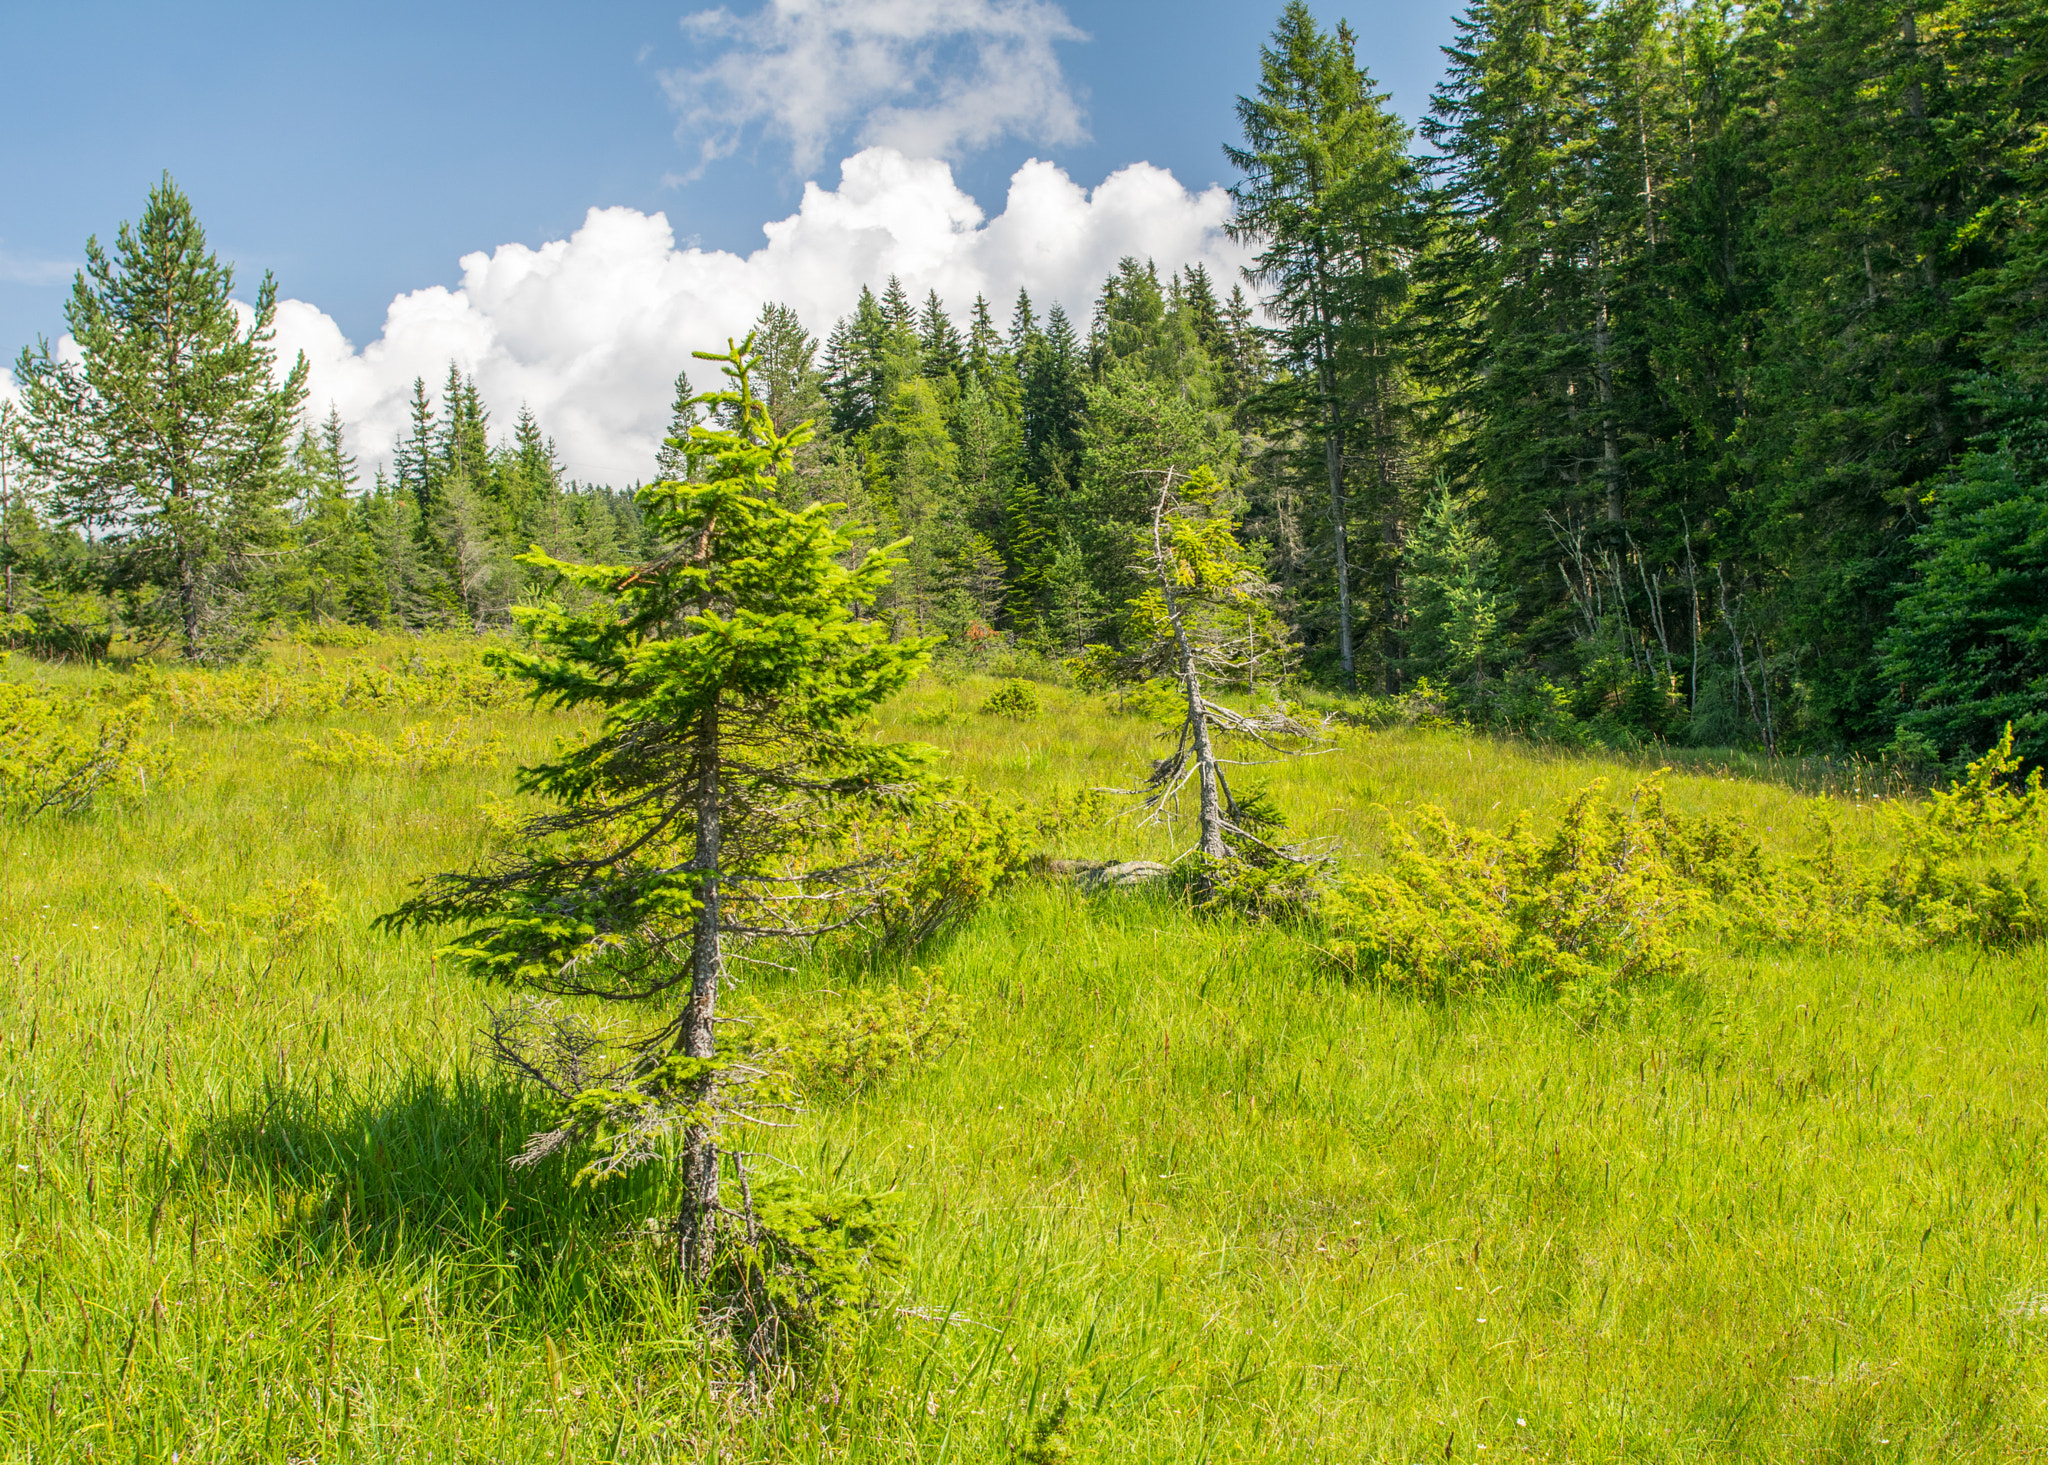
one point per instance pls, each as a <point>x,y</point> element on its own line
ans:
<point>846,1047</point>
<point>1619,894</point>
<point>1014,698</point>
<point>246,696</point>
<point>416,749</point>
<point>1602,903</point>
<point>65,758</point>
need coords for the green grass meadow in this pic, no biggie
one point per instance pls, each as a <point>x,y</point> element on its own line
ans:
<point>1180,1194</point>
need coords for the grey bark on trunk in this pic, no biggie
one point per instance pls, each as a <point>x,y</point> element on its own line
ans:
<point>1207,779</point>
<point>697,1222</point>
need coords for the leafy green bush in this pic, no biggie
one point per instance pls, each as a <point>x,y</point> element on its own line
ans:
<point>936,860</point>
<point>247,696</point>
<point>276,917</point>
<point>62,758</point>
<point>334,633</point>
<point>1945,885</point>
<point>1014,699</point>
<point>1617,894</point>
<point>802,1266</point>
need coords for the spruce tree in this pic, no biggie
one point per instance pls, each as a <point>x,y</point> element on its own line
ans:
<point>733,674</point>
<point>942,356</point>
<point>1206,619</point>
<point>988,360</point>
<point>789,380</point>
<point>334,575</point>
<point>674,461</point>
<point>1325,202</point>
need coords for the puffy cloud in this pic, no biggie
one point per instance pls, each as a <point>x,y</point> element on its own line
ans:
<point>590,331</point>
<point>931,77</point>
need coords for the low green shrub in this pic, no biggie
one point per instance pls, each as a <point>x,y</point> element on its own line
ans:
<point>415,750</point>
<point>801,1268</point>
<point>1014,699</point>
<point>65,758</point>
<point>272,922</point>
<point>1602,904</point>
<point>1618,895</point>
<point>334,633</point>
<point>250,696</point>
<point>848,1047</point>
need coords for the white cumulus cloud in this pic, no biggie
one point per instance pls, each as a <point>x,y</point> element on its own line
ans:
<point>932,78</point>
<point>589,331</point>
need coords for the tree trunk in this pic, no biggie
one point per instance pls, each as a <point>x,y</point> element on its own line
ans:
<point>697,1221</point>
<point>1603,374</point>
<point>1207,779</point>
<point>1333,462</point>
<point>191,602</point>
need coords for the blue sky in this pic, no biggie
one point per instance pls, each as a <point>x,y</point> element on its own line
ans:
<point>360,151</point>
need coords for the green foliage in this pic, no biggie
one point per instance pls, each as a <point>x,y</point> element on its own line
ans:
<point>251,697</point>
<point>1968,642</point>
<point>843,1049</point>
<point>805,1266</point>
<point>1457,618</point>
<point>1012,698</point>
<point>416,750</point>
<point>1604,904</point>
<point>1935,889</point>
<point>1618,896</point>
<point>167,436</point>
<point>934,862</point>
<point>275,918</point>
<point>64,759</point>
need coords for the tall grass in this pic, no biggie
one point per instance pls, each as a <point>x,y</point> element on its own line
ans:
<point>1177,1181</point>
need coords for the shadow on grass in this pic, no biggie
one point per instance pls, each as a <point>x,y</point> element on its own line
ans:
<point>415,1182</point>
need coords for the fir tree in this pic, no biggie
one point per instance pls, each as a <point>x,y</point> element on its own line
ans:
<point>988,359</point>
<point>942,356</point>
<point>1324,202</point>
<point>674,462</point>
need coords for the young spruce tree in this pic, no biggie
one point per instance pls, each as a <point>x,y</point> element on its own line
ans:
<point>733,672</point>
<point>1206,622</point>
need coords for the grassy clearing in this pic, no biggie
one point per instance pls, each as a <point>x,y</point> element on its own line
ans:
<point>1222,1204</point>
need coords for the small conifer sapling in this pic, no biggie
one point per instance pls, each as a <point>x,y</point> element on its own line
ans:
<point>719,800</point>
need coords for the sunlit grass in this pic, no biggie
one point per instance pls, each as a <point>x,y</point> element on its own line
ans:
<point>1231,1206</point>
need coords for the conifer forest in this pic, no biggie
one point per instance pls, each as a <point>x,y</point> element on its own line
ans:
<point>1435,847</point>
<point>1682,382</point>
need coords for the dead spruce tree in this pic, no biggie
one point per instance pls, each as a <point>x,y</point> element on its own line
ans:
<point>1207,623</point>
<point>723,798</point>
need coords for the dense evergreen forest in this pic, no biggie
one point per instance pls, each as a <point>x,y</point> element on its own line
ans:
<point>1687,379</point>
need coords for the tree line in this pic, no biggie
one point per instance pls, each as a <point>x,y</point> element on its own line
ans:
<point>1683,380</point>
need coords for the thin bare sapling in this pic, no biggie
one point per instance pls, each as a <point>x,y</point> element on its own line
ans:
<point>1205,624</point>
